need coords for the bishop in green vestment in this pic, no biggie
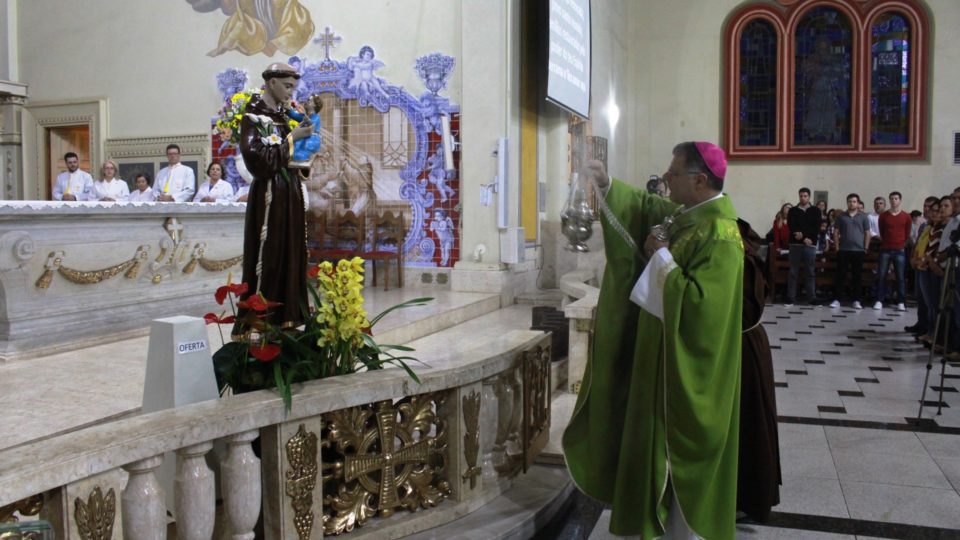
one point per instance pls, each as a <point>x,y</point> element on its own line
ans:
<point>655,428</point>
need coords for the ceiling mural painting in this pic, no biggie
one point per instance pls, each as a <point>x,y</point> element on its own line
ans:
<point>259,26</point>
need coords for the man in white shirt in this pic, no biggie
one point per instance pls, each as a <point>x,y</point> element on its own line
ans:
<point>175,182</point>
<point>110,188</point>
<point>879,207</point>
<point>74,184</point>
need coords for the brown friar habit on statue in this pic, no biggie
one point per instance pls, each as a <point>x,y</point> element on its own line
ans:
<point>277,193</point>
<point>759,464</point>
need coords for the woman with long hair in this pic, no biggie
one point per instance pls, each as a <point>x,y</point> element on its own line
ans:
<point>781,231</point>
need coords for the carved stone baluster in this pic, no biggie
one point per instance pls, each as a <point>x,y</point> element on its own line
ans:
<point>512,446</point>
<point>144,512</point>
<point>489,415</point>
<point>195,490</point>
<point>240,485</point>
<point>505,393</point>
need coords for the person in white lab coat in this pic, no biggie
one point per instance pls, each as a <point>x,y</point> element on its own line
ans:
<point>110,188</point>
<point>73,184</point>
<point>175,182</point>
<point>215,189</point>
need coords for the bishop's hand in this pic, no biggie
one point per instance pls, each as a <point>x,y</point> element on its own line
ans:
<point>653,244</point>
<point>594,171</point>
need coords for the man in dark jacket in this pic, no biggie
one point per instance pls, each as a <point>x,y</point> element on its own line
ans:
<point>804,223</point>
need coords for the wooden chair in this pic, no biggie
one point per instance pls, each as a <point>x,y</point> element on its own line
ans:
<point>387,231</point>
<point>346,239</point>
<point>316,233</point>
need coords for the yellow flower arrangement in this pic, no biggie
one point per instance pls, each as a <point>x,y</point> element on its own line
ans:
<point>230,115</point>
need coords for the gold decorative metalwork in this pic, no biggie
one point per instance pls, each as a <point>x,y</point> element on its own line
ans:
<point>192,265</point>
<point>89,277</point>
<point>302,479</point>
<point>213,265</point>
<point>30,506</point>
<point>382,457</point>
<point>536,402</point>
<point>135,267</point>
<point>471,438</point>
<point>95,517</point>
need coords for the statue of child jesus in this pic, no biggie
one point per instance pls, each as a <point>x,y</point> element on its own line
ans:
<point>305,149</point>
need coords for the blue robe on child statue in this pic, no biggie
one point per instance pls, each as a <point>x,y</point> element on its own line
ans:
<point>305,149</point>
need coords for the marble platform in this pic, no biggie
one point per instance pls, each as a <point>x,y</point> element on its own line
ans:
<point>71,390</point>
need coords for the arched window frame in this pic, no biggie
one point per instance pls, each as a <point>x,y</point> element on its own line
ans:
<point>785,15</point>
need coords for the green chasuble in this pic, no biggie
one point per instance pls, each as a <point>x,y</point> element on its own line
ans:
<point>658,412</point>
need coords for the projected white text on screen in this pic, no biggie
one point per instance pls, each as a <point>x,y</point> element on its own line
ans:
<point>569,63</point>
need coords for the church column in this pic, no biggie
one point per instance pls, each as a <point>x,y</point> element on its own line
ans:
<point>490,105</point>
<point>12,98</point>
<point>11,166</point>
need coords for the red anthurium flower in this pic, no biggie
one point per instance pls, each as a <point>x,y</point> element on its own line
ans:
<point>237,289</point>
<point>212,318</point>
<point>265,353</point>
<point>255,303</point>
<point>221,294</point>
<point>313,271</point>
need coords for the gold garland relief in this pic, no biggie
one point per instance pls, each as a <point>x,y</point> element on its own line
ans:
<point>96,516</point>
<point>89,277</point>
<point>383,457</point>
<point>302,479</point>
<point>471,438</point>
<point>213,265</point>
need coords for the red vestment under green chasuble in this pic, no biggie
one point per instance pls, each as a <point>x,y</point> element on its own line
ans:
<point>659,406</point>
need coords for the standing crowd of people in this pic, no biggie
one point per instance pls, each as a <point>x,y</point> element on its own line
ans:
<point>174,183</point>
<point>914,242</point>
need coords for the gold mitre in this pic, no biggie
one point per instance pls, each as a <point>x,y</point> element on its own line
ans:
<point>279,70</point>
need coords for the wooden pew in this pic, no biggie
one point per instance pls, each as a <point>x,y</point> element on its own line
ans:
<point>778,270</point>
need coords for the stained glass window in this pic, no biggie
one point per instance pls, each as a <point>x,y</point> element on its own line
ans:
<point>758,84</point>
<point>822,86</point>
<point>890,80</point>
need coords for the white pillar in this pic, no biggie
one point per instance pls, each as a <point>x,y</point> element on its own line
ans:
<point>144,512</point>
<point>240,485</point>
<point>196,498</point>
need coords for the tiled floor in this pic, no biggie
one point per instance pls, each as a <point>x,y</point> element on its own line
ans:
<point>854,466</point>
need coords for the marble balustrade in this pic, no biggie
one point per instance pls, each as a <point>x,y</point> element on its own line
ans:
<point>456,440</point>
<point>78,273</point>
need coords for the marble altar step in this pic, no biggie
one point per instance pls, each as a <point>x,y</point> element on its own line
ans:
<point>535,499</point>
<point>542,297</point>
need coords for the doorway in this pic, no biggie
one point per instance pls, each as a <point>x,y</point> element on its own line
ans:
<point>60,140</point>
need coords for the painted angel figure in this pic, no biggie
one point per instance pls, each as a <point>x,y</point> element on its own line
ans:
<point>438,177</point>
<point>367,86</point>
<point>442,227</point>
